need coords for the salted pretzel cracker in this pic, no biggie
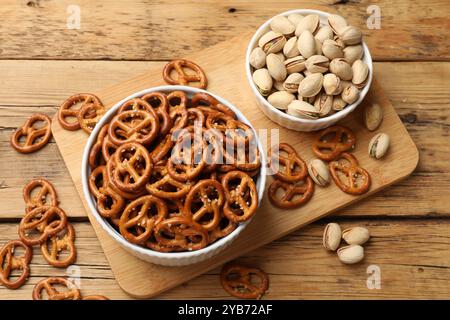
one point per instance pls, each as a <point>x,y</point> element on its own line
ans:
<point>35,138</point>
<point>184,78</point>
<point>9,261</point>
<point>329,148</point>
<point>357,178</point>
<point>236,279</point>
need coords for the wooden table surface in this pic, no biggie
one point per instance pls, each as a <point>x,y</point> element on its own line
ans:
<point>42,62</point>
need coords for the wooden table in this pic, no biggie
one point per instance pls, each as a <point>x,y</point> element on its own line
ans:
<point>43,62</point>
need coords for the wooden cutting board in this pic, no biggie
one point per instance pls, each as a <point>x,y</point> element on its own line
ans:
<point>224,65</point>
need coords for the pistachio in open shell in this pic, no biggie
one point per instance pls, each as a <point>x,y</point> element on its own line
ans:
<point>331,49</point>
<point>356,235</point>
<point>257,58</point>
<point>263,81</point>
<point>351,35</point>
<point>379,145</point>
<point>276,67</point>
<point>324,103</point>
<point>292,82</point>
<point>320,174</point>
<point>350,94</point>
<point>332,236</point>
<point>311,22</point>
<point>302,109</point>
<point>351,254</point>
<point>295,64</point>
<point>282,25</point>
<point>290,48</point>
<point>281,99</point>
<point>337,23</point>
<point>360,73</point>
<point>307,44</point>
<point>353,53</point>
<point>272,42</point>
<point>332,84</point>
<point>317,64</point>
<point>311,85</point>
<point>341,68</point>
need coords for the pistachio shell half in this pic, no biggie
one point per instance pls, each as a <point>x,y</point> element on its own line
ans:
<point>257,58</point>
<point>311,85</point>
<point>379,145</point>
<point>373,116</point>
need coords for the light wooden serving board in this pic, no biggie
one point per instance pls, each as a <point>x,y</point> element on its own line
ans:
<point>224,66</point>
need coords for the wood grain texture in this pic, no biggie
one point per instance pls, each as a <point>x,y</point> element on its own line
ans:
<point>413,266</point>
<point>270,223</point>
<point>158,30</point>
<point>419,92</point>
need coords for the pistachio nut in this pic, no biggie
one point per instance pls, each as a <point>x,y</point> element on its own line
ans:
<point>281,24</point>
<point>317,64</point>
<point>280,99</point>
<point>351,35</point>
<point>302,109</point>
<point>341,68</point>
<point>360,73</point>
<point>323,103</point>
<point>356,235</point>
<point>258,58</point>
<point>353,53</point>
<point>338,103</point>
<point>324,33</point>
<point>292,82</point>
<point>311,85</point>
<point>379,145</point>
<point>295,18</point>
<point>331,84</point>
<point>332,234</point>
<point>311,22</point>
<point>295,64</point>
<point>336,23</point>
<point>331,49</point>
<point>272,42</point>
<point>276,67</point>
<point>351,254</point>
<point>306,44</point>
<point>290,49</point>
<point>278,85</point>
<point>373,116</point>
<point>263,81</point>
<point>350,94</point>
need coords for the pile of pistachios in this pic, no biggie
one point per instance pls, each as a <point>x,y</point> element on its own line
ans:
<point>355,237</point>
<point>307,69</point>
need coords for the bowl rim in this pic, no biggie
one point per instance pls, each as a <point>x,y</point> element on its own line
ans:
<point>367,58</point>
<point>85,171</point>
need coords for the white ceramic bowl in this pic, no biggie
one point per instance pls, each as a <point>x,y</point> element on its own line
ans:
<point>163,258</point>
<point>285,119</point>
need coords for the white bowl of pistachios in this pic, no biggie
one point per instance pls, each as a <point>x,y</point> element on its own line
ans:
<point>308,69</point>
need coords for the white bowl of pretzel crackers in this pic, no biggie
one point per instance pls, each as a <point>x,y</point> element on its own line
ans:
<point>173,174</point>
<point>308,69</point>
